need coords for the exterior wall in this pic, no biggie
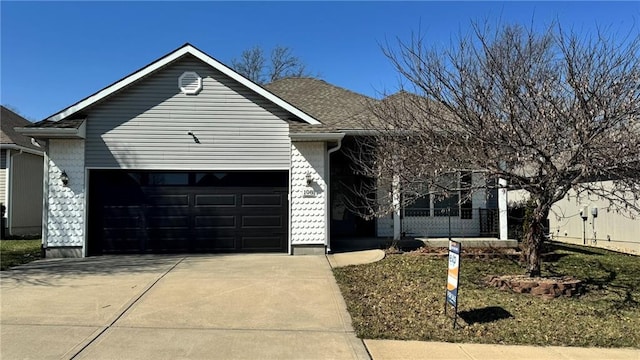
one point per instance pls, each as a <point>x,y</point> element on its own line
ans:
<point>308,211</point>
<point>26,185</point>
<point>65,217</point>
<point>145,126</point>
<point>610,229</point>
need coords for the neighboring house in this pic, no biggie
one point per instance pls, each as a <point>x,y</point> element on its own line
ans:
<point>572,220</point>
<point>21,169</point>
<point>186,155</point>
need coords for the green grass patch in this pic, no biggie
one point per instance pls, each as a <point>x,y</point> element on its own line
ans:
<point>402,297</point>
<point>16,252</point>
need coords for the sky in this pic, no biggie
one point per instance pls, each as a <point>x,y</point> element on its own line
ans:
<point>53,54</point>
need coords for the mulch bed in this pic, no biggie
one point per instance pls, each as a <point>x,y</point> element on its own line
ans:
<point>471,252</point>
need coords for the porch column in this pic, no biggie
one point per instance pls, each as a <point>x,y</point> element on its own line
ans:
<point>502,209</point>
<point>397,225</point>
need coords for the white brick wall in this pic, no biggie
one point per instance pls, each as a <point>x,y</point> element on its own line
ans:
<point>308,214</point>
<point>65,215</point>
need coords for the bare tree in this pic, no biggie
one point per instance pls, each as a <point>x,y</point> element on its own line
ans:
<point>546,112</point>
<point>251,64</point>
<point>282,63</point>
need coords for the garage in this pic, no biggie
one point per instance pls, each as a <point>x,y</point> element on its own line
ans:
<point>187,211</point>
<point>184,156</point>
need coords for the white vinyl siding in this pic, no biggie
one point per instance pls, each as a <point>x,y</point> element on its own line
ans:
<point>26,185</point>
<point>610,229</point>
<point>146,126</point>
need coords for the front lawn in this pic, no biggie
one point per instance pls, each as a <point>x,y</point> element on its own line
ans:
<point>402,297</point>
<point>16,252</point>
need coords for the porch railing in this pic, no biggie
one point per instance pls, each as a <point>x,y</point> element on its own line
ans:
<point>444,222</point>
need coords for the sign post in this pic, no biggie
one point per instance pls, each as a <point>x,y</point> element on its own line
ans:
<point>453,275</point>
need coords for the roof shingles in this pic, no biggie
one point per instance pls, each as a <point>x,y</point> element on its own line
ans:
<point>10,120</point>
<point>335,107</point>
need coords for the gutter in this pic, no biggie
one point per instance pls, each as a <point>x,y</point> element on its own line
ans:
<point>365,132</point>
<point>21,149</point>
<point>316,136</point>
<point>361,132</point>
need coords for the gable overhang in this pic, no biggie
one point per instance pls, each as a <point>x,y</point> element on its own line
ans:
<point>168,59</point>
<point>79,132</point>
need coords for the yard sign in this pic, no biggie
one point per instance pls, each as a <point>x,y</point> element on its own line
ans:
<point>453,274</point>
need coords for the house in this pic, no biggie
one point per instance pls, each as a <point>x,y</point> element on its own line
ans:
<point>21,170</point>
<point>186,155</point>
<point>587,219</point>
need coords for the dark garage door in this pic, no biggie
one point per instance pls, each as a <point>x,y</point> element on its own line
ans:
<point>179,212</point>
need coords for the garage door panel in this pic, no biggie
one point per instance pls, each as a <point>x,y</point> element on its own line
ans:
<point>215,222</point>
<point>122,222</point>
<point>267,222</point>
<point>205,243</point>
<point>164,218</point>
<point>223,200</point>
<point>169,222</point>
<point>262,243</point>
<point>171,200</point>
<point>123,235</point>
<point>268,200</point>
<point>122,241</point>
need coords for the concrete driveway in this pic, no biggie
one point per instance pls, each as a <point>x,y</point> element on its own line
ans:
<point>176,307</point>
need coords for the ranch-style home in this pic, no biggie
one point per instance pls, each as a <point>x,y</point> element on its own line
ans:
<point>186,155</point>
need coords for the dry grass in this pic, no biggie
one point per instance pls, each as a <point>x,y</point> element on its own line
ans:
<point>402,297</point>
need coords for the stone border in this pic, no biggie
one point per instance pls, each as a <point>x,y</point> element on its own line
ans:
<point>546,288</point>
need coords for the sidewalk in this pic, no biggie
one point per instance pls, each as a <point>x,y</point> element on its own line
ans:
<point>407,350</point>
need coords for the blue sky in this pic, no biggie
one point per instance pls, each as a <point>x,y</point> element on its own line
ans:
<point>56,53</point>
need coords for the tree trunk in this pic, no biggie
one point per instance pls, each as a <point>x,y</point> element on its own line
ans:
<point>534,239</point>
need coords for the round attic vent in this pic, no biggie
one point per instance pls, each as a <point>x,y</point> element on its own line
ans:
<point>190,83</point>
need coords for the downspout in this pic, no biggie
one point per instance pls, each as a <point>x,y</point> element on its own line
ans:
<point>45,199</point>
<point>327,201</point>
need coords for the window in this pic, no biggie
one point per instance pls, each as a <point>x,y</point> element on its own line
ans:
<point>448,205</point>
<point>421,207</point>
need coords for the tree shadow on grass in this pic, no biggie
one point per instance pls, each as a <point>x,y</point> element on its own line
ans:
<point>484,315</point>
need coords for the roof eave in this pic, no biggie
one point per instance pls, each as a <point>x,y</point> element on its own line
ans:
<point>55,133</point>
